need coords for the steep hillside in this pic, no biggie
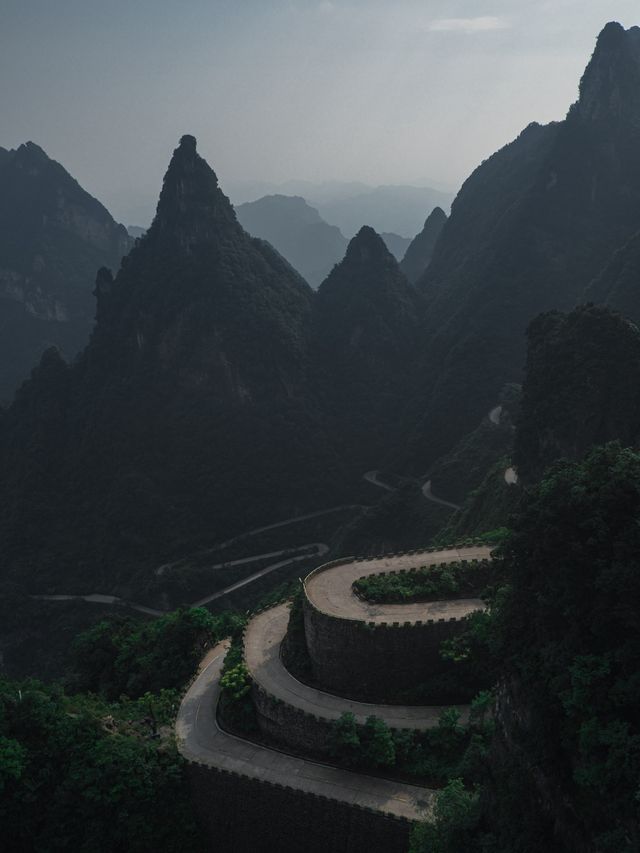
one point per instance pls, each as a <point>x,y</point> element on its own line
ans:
<point>396,244</point>
<point>186,417</point>
<point>618,285</point>
<point>582,387</point>
<point>366,329</point>
<point>297,231</point>
<point>420,251</point>
<point>53,238</point>
<point>529,230</point>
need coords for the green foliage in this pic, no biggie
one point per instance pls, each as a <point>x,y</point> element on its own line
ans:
<point>236,682</point>
<point>582,387</point>
<point>571,636</point>
<point>345,740</point>
<point>455,819</point>
<point>378,747</point>
<point>236,708</point>
<point>81,774</point>
<point>453,580</point>
<point>486,510</point>
<point>12,761</point>
<point>126,656</point>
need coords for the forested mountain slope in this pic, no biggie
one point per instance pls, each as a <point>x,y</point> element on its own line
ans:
<point>528,232</point>
<point>54,237</point>
<point>187,416</point>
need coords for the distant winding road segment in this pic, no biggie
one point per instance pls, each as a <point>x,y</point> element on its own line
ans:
<point>373,477</point>
<point>201,740</point>
<point>319,550</point>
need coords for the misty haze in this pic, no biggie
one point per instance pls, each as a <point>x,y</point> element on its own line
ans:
<point>320,426</point>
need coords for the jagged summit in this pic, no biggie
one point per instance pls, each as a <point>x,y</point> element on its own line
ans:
<point>610,85</point>
<point>30,152</point>
<point>420,250</point>
<point>368,247</point>
<point>191,207</point>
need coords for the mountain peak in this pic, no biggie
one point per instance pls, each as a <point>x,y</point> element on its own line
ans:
<point>367,246</point>
<point>191,208</point>
<point>610,86</point>
<point>418,256</point>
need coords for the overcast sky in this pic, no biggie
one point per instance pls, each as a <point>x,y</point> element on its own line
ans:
<point>383,91</point>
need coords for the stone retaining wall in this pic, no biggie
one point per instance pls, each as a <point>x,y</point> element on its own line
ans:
<point>291,726</point>
<point>375,662</point>
<point>243,815</point>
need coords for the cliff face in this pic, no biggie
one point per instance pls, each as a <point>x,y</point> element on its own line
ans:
<point>53,238</point>
<point>529,230</point>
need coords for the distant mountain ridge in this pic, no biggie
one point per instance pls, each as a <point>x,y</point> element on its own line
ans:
<point>54,237</point>
<point>297,231</point>
<point>396,209</point>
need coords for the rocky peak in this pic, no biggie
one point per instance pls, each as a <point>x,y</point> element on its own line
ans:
<point>420,251</point>
<point>192,208</point>
<point>368,248</point>
<point>610,86</point>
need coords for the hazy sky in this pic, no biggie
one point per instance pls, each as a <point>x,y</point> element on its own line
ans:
<point>383,91</point>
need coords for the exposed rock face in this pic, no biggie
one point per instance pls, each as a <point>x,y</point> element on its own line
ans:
<point>297,231</point>
<point>366,325</point>
<point>187,414</point>
<point>609,89</point>
<point>420,251</point>
<point>529,230</point>
<point>53,238</point>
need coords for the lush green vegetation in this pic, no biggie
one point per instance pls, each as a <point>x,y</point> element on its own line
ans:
<point>99,771</point>
<point>582,387</point>
<point>431,757</point>
<point>565,632</point>
<point>453,580</point>
<point>236,707</point>
<point>128,656</point>
<point>80,773</point>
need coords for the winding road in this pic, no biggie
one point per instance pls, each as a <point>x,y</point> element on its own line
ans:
<point>373,477</point>
<point>262,641</point>
<point>331,590</point>
<point>201,740</point>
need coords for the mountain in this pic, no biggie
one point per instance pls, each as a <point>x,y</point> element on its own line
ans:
<point>297,231</point>
<point>395,209</point>
<point>54,237</point>
<point>618,285</point>
<point>419,252</point>
<point>529,230</point>
<point>365,337</point>
<point>582,387</point>
<point>186,417</point>
<point>396,244</point>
